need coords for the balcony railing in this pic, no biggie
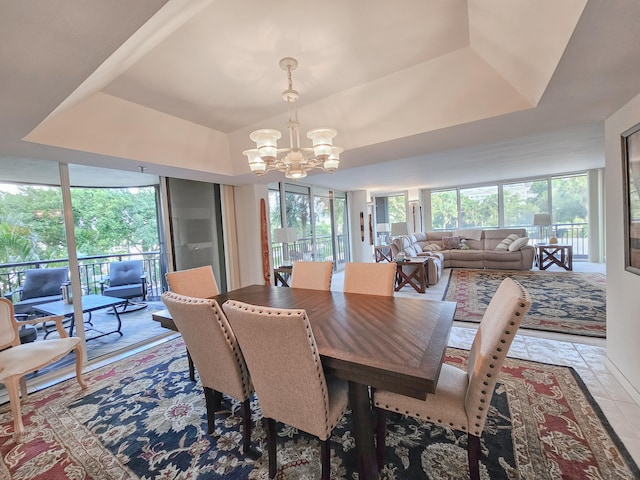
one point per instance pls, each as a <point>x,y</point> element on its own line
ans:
<point>92,271</point>
<point>305,249</point>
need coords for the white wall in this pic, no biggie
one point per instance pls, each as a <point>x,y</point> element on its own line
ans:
<point>247,211</point>
<point>361,250</point>
<point>623,300</point>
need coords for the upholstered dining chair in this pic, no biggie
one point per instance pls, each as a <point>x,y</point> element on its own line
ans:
<point>17,360</point>
<point>198,282</point>
<point>311,275</point>
<point>216,354</point>
<point>292,387</point>
<point>462,398</point>
<point>128,280</point>
<point>370,278</point>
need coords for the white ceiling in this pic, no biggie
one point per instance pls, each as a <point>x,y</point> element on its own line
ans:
<point>423,93</point>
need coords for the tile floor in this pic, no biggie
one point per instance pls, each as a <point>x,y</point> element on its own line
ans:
<point>585,354</point>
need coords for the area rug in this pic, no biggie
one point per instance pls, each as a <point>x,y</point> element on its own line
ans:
<point>142,418</point>
<point>564,302</point>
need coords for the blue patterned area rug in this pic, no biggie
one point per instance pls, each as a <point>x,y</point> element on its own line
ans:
<point>142,418</point>
<point>563,302</point>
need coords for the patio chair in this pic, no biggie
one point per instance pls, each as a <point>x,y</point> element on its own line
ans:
<point>17,360</point>
<point>462,397</point>
<point>126,280</point>
<point>41,285</point>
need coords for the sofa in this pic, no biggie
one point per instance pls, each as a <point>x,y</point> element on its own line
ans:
<point>502,249</point>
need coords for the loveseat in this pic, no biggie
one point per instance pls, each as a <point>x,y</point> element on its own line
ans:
<point>502,249</point>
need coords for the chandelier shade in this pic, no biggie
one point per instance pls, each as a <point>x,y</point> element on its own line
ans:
<point>294,161</point>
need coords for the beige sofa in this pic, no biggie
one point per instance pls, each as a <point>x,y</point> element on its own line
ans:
<point>477,249</point>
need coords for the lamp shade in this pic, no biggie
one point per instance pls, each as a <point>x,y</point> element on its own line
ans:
<point>542,219</point>
<point>399,228</point>
<point>285,235</point>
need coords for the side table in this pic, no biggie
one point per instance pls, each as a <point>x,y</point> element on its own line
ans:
<point>554,254</point>
<point>383,253</point>
<point>413,271</point>
<point>282,275</point>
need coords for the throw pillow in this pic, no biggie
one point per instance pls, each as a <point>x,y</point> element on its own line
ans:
<point>451,243</point>
<point>431,247</point>
<point>504,244</point>
<point>518,244</point>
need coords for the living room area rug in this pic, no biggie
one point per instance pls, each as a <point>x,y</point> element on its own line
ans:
<point>563,302</point>
<point>142,418</point>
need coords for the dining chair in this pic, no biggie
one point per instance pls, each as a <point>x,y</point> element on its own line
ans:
<point>198,282</point>
<point>311,275</point>
<point>287,374</point>
<point>462,398</point>
<point>215,352</point>
<point>17,360</point>
<point>370,278</point>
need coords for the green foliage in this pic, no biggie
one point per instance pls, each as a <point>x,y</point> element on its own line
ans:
<point>106,221</point>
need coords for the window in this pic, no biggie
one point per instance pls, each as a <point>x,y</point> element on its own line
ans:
<point>522,199</point>
<point>444,208</point>
<point>479,207</point>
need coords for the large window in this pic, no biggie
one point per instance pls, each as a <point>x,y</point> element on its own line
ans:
<point>389,210</point>
<point>513,205</point>
<point>318,217</point>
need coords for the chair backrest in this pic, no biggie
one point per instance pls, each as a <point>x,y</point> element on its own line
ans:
<point>370,278</point>
<point>128,272</point>
<point>43,282</point>
<point>284,364</point>
<point>311,275</point>
<point>500,322</point>
<point>9,336</point>
<point>198,282</point>
<point>211,343</point>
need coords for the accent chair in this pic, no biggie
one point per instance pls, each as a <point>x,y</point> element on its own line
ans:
<point>17,360</point>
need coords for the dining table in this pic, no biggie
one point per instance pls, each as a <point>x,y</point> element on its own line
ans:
<point>392,343</point>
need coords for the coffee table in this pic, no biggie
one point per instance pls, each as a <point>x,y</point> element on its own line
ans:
<point>90,303</point>
<point>413,271</point>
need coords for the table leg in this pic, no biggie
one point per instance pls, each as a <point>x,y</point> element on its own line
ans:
<point>362,419</point>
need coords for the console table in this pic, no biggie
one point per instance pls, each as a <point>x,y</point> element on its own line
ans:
<point>282,275</point>
<point>554,254</point>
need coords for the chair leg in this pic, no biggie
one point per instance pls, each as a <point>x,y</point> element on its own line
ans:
<point>192,368</point>
<point>381,432</point>
<point>271,446</point>
<point>246,426</point>
<point>213,400</point>
<point>473,454</point>
<point>79,362</point>
<point>13,388</point>
<point>325,456</point>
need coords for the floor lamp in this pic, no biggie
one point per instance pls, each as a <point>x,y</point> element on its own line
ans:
<point>542,220</point>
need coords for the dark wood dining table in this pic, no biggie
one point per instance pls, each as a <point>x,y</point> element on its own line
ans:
<point>392,343</point>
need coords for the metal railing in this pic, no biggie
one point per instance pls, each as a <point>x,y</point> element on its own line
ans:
<point>305,249</point>
<point>92,271</point>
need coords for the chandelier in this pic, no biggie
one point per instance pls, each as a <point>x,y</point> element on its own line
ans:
<point>294,161</point>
